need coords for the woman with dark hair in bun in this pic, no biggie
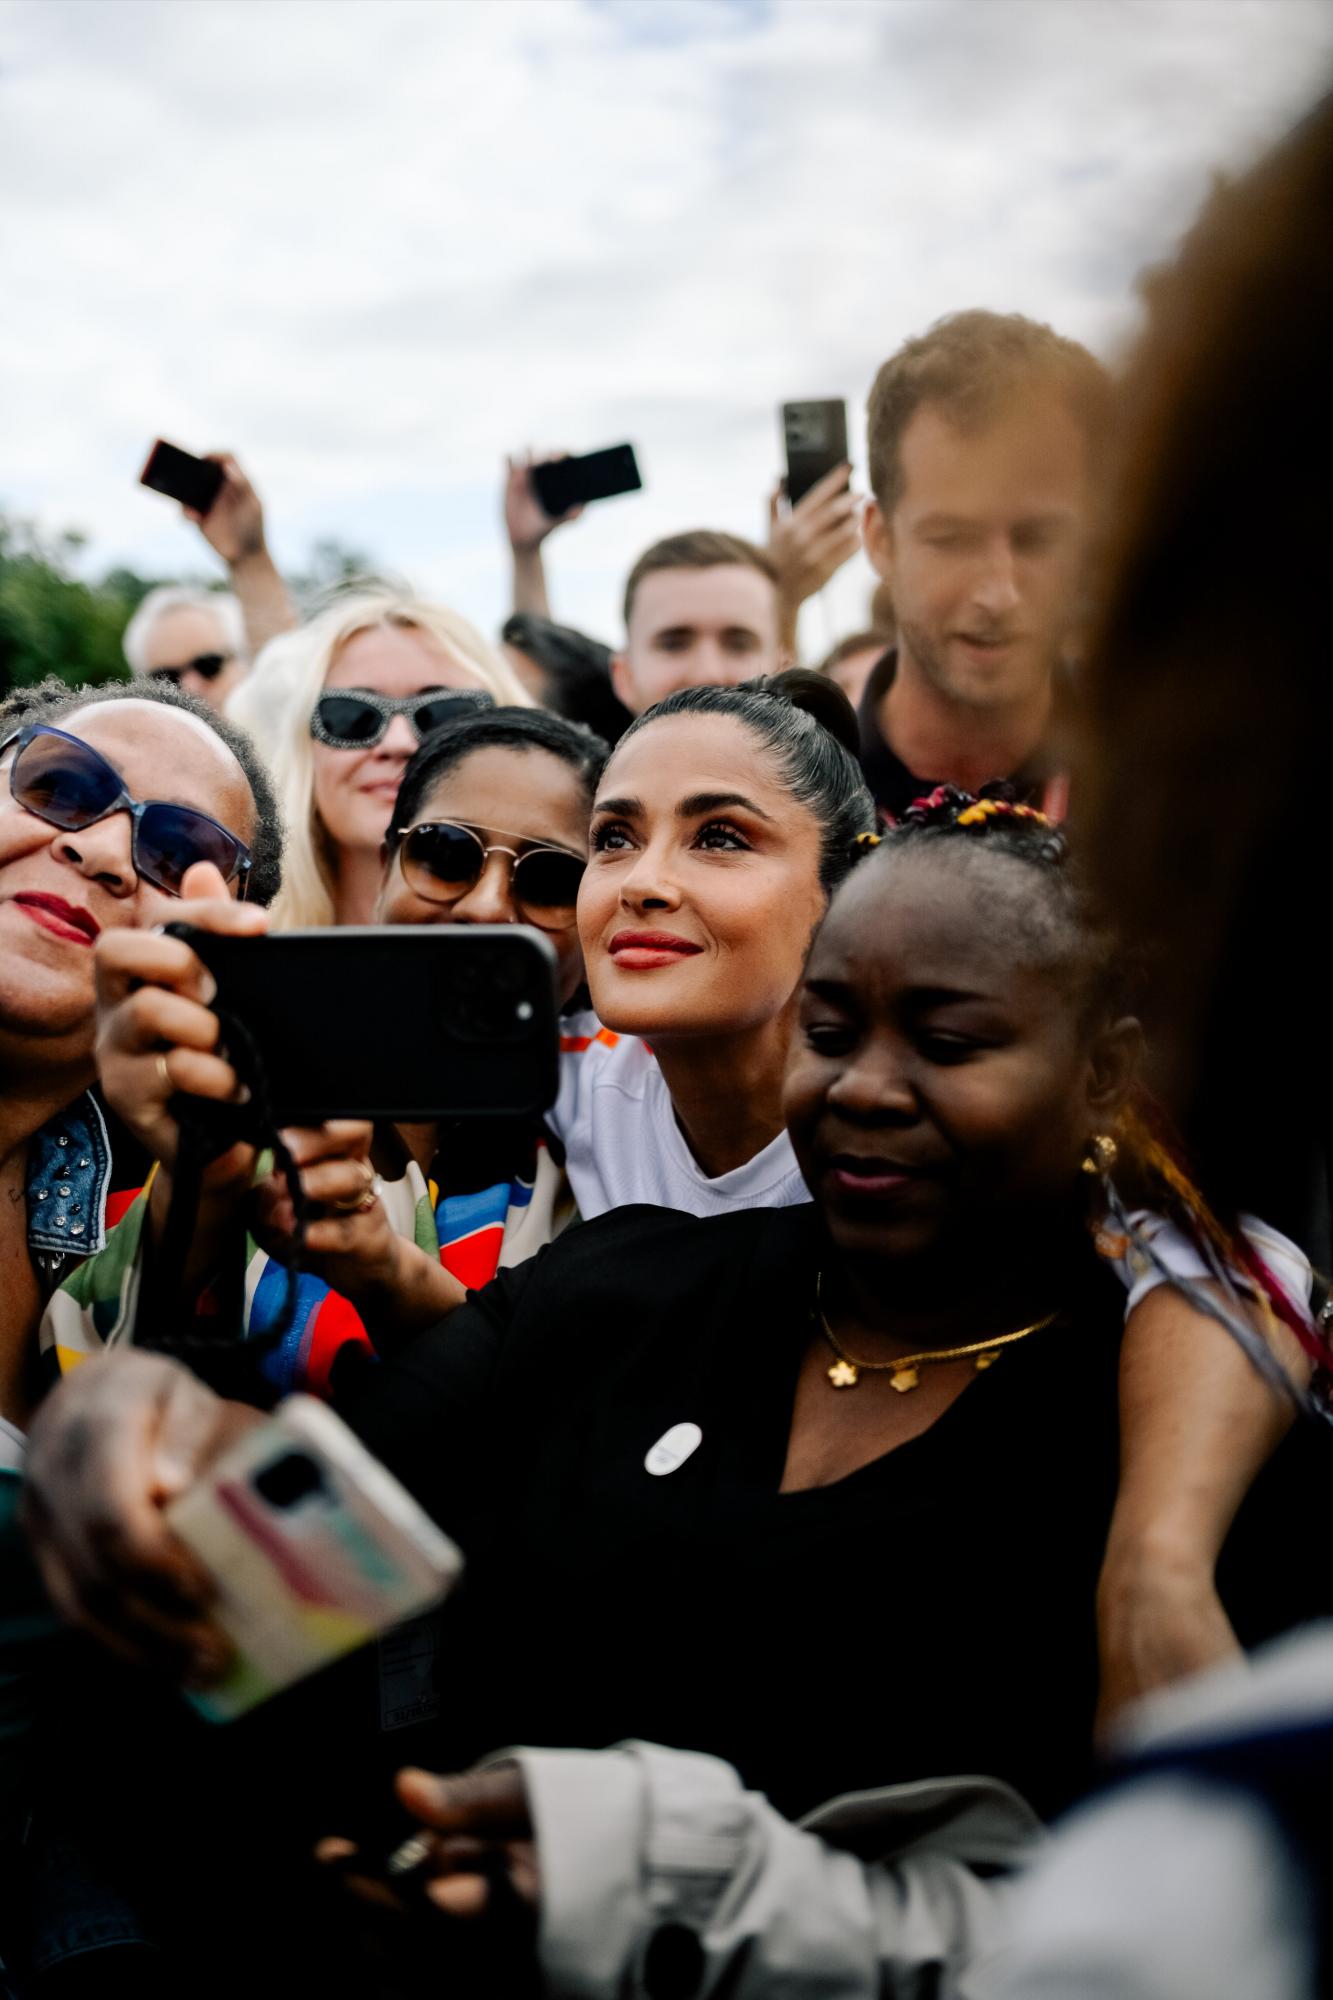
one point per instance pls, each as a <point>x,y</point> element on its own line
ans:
<point>723,821</point>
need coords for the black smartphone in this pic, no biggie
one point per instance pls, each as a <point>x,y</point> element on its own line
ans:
<point>195,482</point>
<point>563,483</point>
<point>815,438</point>
<point>410,1021</point>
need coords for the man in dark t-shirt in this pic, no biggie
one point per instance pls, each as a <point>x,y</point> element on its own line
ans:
<point>983,440</point>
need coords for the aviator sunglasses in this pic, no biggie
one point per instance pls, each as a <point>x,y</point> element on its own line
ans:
<point>441,862</point>
<point>356,718</point>
<point>67,783</point>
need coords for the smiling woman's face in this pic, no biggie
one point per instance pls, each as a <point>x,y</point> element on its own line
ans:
<point>515,798</point>
<point>355,789</point>
<point>59,889</point>
<point>941,1085</point>
<point>703,886</point>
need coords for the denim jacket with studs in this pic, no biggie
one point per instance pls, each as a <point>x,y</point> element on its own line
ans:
<point>72,1182</point>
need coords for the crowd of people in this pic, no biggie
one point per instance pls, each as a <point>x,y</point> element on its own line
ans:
<point>893,1369</point>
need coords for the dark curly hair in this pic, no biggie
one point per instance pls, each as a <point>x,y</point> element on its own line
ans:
<point>49,700</point>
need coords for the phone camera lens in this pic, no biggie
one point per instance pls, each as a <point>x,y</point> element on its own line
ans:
<point>289,1480</point>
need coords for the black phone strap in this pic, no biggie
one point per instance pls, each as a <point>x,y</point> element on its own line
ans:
<point>164,1318</point>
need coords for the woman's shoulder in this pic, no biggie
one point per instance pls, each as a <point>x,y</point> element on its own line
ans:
<point>591,1053</point>
<point>623,1245</point>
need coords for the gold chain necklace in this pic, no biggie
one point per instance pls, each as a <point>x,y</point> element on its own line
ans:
<point>904,1373</point>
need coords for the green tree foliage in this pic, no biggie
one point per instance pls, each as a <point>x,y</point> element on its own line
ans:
<point>51,622</point>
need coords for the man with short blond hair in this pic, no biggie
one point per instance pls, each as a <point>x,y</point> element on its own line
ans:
<point>985,437</point>
<point>701,609</point>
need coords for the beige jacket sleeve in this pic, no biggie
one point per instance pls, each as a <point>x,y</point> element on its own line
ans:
<point>663,1878</point>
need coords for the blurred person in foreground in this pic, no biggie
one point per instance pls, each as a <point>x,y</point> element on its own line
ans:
<point>702,609</point>
<point>985,437</point>
<point>337,708</point>
<point>1209,1869</point>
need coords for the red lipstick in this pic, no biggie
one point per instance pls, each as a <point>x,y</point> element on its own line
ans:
<point>642,951</point>
<point>62,919</point>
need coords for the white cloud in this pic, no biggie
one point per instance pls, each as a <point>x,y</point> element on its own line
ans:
<point>371,245</point>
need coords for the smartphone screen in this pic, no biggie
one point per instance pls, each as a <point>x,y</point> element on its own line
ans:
<point>815,438</point>
<point>195,482</point>
<point>599,475</point>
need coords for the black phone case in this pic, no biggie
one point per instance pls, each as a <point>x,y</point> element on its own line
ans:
<point>195,482</point>
<point>815,438</point>
<point>405,1021</point>
<point>563,483</point>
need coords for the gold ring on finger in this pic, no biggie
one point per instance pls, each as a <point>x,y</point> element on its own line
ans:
<point>365,1197</point>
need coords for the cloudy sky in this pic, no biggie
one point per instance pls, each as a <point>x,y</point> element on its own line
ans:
<point>370,246</point>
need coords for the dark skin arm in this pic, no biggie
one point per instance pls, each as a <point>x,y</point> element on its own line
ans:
<point>1197,1427</point>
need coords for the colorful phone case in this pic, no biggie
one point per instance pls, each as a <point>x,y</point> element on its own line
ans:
<point>315,1549</point>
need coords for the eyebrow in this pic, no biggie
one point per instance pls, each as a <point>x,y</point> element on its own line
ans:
<point>1056,518</point>
<point>692,632</point>
<point>841,990</point>
<point>708,802</point>
<point>690,808</point>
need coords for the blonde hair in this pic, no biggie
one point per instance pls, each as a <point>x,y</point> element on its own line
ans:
<point>276,701</point>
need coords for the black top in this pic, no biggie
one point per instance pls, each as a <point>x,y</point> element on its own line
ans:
<point>931,1613</point>
<point>894,787</point>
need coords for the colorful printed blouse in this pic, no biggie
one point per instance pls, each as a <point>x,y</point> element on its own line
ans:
<point>473,1230</point>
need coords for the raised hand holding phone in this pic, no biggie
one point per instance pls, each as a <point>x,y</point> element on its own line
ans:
<point>195,482</point>
<point>527,522</point>
<point>234,523</point>
<point>810,541</point>
<point>216,496</point>
<point>156,1032</point>
<point>349,1239</point>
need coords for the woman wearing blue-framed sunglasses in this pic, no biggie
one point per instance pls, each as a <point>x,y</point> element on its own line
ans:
<point>108,798</point>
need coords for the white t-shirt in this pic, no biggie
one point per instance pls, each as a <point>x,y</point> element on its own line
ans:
<point>622,1144</point>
